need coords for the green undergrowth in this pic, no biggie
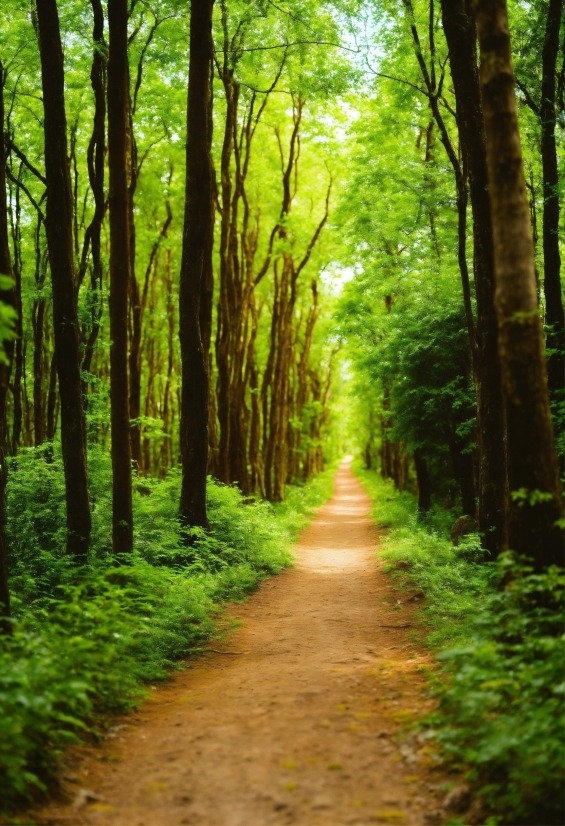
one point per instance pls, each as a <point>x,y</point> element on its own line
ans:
<point>497,630</point>
<point>87,642</point>
<point>420,554</point>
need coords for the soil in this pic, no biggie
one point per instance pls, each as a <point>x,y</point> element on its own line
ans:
<point>300,715</point>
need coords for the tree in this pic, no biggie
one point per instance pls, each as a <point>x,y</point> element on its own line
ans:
<point>196,254</point>
<point>542,92</point>
<point>96,169</point>
<point>470,163</point>
<point>59,230</point>
<point>554,315</point>
<point>118,153</point>
<point>460,34</point>
<point>533,476</point>
<point>7,296</point>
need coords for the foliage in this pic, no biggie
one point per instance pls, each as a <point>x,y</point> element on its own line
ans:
<point>402,312</point>
<point>498,630</point>
<point>312,69</point>
<point>502,710</point>
<point>452,578</point>
<point>426,359</point>
<point>85,641</point>
<point>8,318</point>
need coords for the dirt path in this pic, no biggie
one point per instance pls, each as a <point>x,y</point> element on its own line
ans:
<point>301,726</point>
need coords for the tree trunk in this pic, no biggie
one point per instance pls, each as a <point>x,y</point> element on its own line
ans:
<point>38,324</point>
<point>196,249</point>
<point>118,97</point>
<point>423,481</point>
<point>95,160</point>
<point>551,260</point>
<point>15,214</point>
<point>224,310</point>
<point>532,465</point>
<point>429,77</point>
<point>52,402</point>
<point>136,314</point>
<point>7,296</point>
<point>399,465</point>
<point>460,34</point>
<point>59,230</point>
<point>462,464</point>
<point>166,452</point>
<point>207,282</point>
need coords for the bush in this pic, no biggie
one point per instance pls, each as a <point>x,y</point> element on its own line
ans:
<point>450,577</point>
<point>502,707</point>
<point>86,640</point>
<point>498,629</point>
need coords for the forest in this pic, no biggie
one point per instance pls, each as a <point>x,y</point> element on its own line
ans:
<point>240,240</point>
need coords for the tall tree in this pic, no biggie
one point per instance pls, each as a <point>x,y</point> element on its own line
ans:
<point>118,154</point>
<point>433,86</point>
<point>59,230</point>
<point>551,259</point>
<point>542,102</point>
<point>533,476</point>
<point>196,252</point>
<point>8,297</point>
<point>460,33</point>
<point>96,163</point>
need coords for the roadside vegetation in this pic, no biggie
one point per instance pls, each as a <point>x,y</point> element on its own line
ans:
<point>216,220</point>
<point>497,630</point>
<point>87,641</point>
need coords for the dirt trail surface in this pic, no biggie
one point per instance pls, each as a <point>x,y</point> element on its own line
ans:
<point>300,720</point>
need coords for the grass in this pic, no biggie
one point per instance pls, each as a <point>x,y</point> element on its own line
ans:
<point>86,641</point>
<point>497,630</point>
<point>420,555</point>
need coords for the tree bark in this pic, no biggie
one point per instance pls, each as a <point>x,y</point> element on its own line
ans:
<point>38,324</point>
<point>19,350</point>
<point>135,316</point>
<point>118,97</point>
<point>195,251</point>
<point>554,316</point>
<point>7,297</point>
<point>207,282</point>
<point>59,230</point>
<point>423,481</point>
<point>433,92</point>
<point>166,453</point>
<point>462,463</point>
<point>226,288</point>
<point>460,33</point>
<point>238,247</point>
<point>52,402</point>
<point>96,164</point>
<point>532,465</point>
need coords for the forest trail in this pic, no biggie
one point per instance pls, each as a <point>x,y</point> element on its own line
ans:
<point>303,725</point>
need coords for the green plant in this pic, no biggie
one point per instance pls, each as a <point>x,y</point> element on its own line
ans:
<point>87,640</point>
<point>451,577</point>
<point>498,630</point>
<point>502,710</point>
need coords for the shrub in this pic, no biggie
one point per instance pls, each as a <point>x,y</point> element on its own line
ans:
<point>86,640</point>
<point>498,629</point>
<point>502,710</point>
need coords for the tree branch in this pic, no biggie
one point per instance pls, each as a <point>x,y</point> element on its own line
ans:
<point>18,152</point>
<point>294,43</point>
<point>24,188</point>
<point>528,99</point>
